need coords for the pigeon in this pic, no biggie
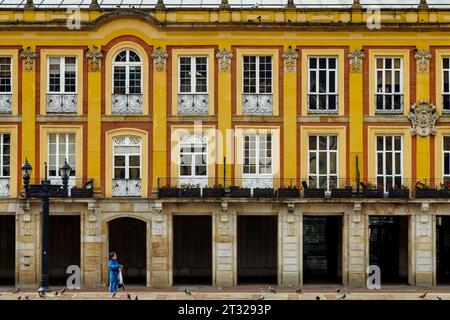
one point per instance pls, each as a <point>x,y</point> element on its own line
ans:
<point>289,20</point>
<point>114,294</point>
<point>62,291</point>
<point>27,298</point>
<point>128,296</point>
<point>19,298</point>
<point>343,296</point>
<point>272,290</point>
<point>187,291</point>
<point>42,294</point>
<point>136,298</point>
<point>261,297</point>
<point>338,290</point>
<point>439,298</point>
<point>299,291</point>
<point>317,298</point>
<point>56,293</point>
<point>423,295</point>
<point>259,18</point>
<point>17,290</point>
<point>250,20</point>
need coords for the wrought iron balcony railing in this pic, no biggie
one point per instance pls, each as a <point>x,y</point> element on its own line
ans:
<point>77,188</point>
<point>257,104</point>
<point>389,103</point>
<point>62,103</point>
<point>127,104</point>
<point>193,103</point>
<point>4,186</point>
<point>126,187</point>
<point>5,103</point>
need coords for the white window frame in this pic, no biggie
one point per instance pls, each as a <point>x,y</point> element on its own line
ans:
<point>327,93</point>
<point>127,159</point>
<point>445,74</point>
<point>11,75</point>
<point>2,144</point>
<point>193,72</point>
<point>127,64</point>
<point>62,75</point>
<point>257,63</point>
<point>328,151</point>
<point>392,71</point>
<point>258,173</point>
<point>57,154</point>
<point>384,152</point>
<point>445,177</point>
<point>193,161</point>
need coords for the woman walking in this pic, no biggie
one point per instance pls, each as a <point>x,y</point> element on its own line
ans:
<point>114,269</point>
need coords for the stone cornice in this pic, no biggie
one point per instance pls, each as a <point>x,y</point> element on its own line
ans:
<point>322,118</point>
<point>261,119</point>
<point>10,118</point>
<point>191,118</point>
<point>127,118</point>
<point>387,118</point>
<point>61,118</point>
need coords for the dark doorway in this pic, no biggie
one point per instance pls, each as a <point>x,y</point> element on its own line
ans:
<point>7,249</point>
<point>443,249</point>
<point>128,238</point>
<point>63,247</point>
<point>322,249</point>
<point>257,249</point>
<point>389,247</point>
<point>192,250</point>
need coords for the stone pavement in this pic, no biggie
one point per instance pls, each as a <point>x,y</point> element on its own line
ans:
<point>237,293</point>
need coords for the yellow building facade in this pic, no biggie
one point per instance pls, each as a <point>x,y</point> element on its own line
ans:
<point>286,146</point>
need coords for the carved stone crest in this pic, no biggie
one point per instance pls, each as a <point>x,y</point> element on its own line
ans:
<point>423,60</point>
<point>29,57</point>
<point>159,59</point>
<point>94,56</point>
<point>224,56</point>
<point>290,59</point>
<point>423,118</point>
<point>356,59</point>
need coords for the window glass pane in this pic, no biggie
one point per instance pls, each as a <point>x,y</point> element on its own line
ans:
<point>333,162</point>
<point>447,143</point>
<point>312,142</point>
<point>134,173</point>
<point>322,162</point>
<point>134,161</point>
<point>322,142</point>
<point>312,162</point>
<point>119,161</point>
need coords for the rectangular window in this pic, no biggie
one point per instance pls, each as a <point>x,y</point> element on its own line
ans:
<point>193,75</point>
<point>389,85</point>
<point>257,74</point>
<point>127,162</point>
<point>257,154</point>
<point>193,159</point>
<point>446,84</point>
<point>62,75</point>
<point>446,160</point>
<point>5,155</point>
<point>389,161</point>
<point>323,161</point>
<point>61,146</point>
<point>5,75</point>
<point>322,85</point>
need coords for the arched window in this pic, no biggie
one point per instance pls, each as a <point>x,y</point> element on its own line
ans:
<point>127,71</point>
<point>127,166</point>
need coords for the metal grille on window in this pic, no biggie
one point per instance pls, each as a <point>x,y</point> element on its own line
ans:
<point>322,86</point>
<point>194,160</point>
<point>257,97</point>
<point>193,87</point>
<point>389,86</point>
<point>127,83</point>
<point>5,164</point>
<point>61,146</point>
<point>62,85</point>
<point>389,161</point>
<point>323,160</point>
<point>446,85</point>
<point>5,85</point>
<point>257,162</point>
<point>126,167</point>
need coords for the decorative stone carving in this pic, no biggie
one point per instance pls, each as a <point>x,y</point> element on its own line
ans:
<point>94,56</point>
<point>425,207</point>
<point>356,59</point>
<point>224,56</point>
<point>29,57</point>
<point>224,206</point>
<point>159,59</point>
<point>423,60</point>
<point>290,59</point>
<point>291,207</point>
<point>423,118</point>
<point>157,207</point>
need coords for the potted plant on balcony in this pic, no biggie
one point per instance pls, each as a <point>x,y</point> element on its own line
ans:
<point>424,191</point>
<point>312,192</point>
<point>263,192</point>
<point>288,192</point>
<point>238,192</point>
<point>342,192</point>
<point>168,192</point>
<point>216,191</point>
<point>371,190</point>
<point>189,191</point>
<point>398,192</point>
<point>444,192</point>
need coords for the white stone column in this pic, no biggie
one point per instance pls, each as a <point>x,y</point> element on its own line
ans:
<point>161,268</point>
<point>224,255</point>
<point>290,242</point>
<point>91,242</point>
<point>357,264</point>
<point>423,247</point>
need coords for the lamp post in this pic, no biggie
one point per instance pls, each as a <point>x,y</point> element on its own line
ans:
<point>44,191</point>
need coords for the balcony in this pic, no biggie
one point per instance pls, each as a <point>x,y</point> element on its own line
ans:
<point>193,104</point>
<point>126,104</point>
<point>61,103</point>
<point>389,103</point>
<point>257,104</point>
<point>5,103</point>
<point>126,187</point>
<point>322,103</point>
<point>77,188</point>
<point>4,187</point>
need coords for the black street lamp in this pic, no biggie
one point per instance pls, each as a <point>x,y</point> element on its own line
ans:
<point>44,191</point>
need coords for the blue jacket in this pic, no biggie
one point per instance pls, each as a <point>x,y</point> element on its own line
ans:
<point>113,267</point>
